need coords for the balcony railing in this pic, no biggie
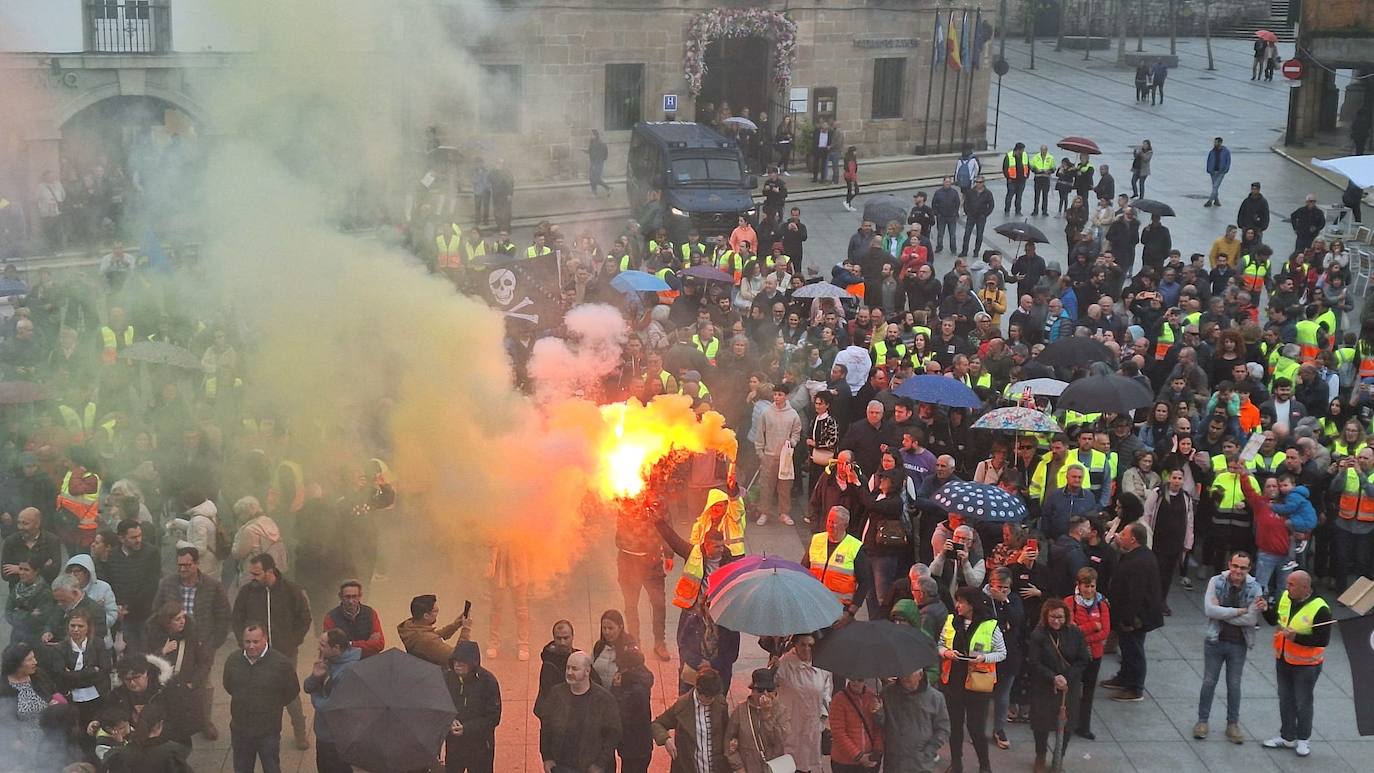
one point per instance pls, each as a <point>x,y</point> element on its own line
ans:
<point>128,26</point>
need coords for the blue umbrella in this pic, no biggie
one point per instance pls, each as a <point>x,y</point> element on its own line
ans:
<point>638,282</point>
<point>938,390</point>
<point>775,602</point>
<point>980,502</point>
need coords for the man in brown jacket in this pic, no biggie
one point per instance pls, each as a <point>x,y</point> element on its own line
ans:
<point>703,707</point>
<point>579,723</point>
<point>422,639</point>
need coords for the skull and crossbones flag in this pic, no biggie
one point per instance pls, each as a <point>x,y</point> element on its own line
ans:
<point>527,289</point>
<point>1358,635</point>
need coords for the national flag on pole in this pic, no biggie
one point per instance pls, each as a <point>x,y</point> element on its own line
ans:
<point>938,50</point>
<point>966,35</point>
<point>952,45</point>
<point>982,34</point>
<point>1358,635</point>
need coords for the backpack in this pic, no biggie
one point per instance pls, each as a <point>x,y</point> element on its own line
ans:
<point>963,173</point>
<point>223,544</point>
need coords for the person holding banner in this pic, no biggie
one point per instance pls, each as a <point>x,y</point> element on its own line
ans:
<point>1303,619</point>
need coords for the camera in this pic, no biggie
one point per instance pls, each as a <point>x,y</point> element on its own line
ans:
<point>955,546</point>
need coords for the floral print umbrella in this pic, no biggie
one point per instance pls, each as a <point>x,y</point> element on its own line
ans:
<point>1018,420</point>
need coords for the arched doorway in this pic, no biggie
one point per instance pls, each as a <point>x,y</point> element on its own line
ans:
<point>116,132</point>
<point>739,71</point>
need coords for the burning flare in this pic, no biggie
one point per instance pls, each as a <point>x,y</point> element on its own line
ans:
<point>640,436</point>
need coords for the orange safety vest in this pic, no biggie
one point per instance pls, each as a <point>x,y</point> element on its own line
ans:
<point>450,254</point>
<point>1354,505</point>
<point>1367,363</point>
<point>836,571</point>
<point>1300,621</point>
<point>84,507</point>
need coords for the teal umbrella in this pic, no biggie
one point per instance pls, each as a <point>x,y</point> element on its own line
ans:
<point>775,602</point>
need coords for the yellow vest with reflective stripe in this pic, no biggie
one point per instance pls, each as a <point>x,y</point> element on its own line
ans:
<point>978,641</point>
<point>448,255</point>
<point>1231,503</point>
<point>1039,163</point>
<point>1354,505</point>
<point>78,424</point>
<point>1285,368</point>
<point>880,351</point>
<point>1096,465</point>
<point>1308,331</point>
<point>835,571</point>
<point>531,252</point>
<point>688,250</point>
<point>109,339</point>
<point>1299,622</point>
<point>709,349</point>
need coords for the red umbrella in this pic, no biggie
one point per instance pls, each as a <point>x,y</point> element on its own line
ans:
<point>1267,36</point>
<point>1080,145</point>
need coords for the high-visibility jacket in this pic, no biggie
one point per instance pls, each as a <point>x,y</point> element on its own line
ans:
<point>978,641</point>
<point>730,261</point>
<point>1285,368</point>
<point>450,254</point>
<point>1014,167</point>
<point>702,391</point>
<point>78,425</point>
<point>1365,352</point>
<point>532,252</point>
<point>1309,340</point>
<point>881,349</point>
<point>84,507</point>
<point>1298,618</point>
<point>1039,487</point>
<point>710,348</point>
<point>287,488</point>
<point>1072,417</point>
<point>983,379</point>
<point>1355,504</point>
<point>1096,463</point>
<point>669,295</point>
<point>1269,466</point>
<point>112,342</point>
<point>689,250</point>
<point>655,246</point>
<point>836,570</point>
<point>1193,318</point>
<point>1327,319</point>
<point>1042,162</point>
<point>625,262</point>
<point>1253,272</point>
<point>1231,508</point>
<point>1329,429</point>
<point>731,527</point>
<point>1165,341</point>
<point>1340,448</point>
<point>474,251</point>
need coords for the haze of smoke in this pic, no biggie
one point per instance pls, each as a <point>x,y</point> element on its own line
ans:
<point>559,368</point>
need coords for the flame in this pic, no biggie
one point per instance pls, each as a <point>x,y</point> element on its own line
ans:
<point>641,435</point>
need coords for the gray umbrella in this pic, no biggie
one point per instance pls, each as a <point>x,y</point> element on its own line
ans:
<point>390,712</point>
<point>160,353</point>
<point>882,209</point>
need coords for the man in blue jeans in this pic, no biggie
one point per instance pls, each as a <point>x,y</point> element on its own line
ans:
<point>260,682</point>
<point>1218,164</point>
<point>946,203</point>
<point>1233,604</point>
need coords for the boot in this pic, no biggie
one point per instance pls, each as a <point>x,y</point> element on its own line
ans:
<point>1040,765</point>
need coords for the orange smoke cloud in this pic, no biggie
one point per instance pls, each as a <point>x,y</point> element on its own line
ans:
<point>642,435</point>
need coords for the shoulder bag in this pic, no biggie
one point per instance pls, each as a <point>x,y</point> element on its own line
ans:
<point>783,764</point>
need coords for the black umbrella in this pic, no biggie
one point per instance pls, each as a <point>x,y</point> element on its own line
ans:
<point>884,209</point>
<point>1022,232</point>
<point>875,649</point>
<point>1074,350</point>
<point>1153,207</point>
<point>1106,394</point>
<point>390,712</point>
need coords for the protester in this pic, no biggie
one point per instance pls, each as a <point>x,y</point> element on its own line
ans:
<point>805,691</point>
<point>358,621</point>
<point>203,599</point>
<point>970,647</point>
<point>1136,609</point>
<point>277,607</point>
<point>420,637</point>
<point>915,724</point>
<point>336,654</point>
<point>1232,605</point>
<point>471,743</point>
<point>1056,655</point>
<point>759,726</point>
<point>1300,640</point>
<point>261,681</point>
<point>694,728</point>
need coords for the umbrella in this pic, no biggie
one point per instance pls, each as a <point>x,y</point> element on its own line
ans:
<point>390,712</point>
<point>1153,207</point>
<point>1074,350</point>
<point>1022,232</point>
<point>1080,145</point>
<point>1106,394</point>
<point>707,273</point>
<point>160,353</point>
<point>1047,387</point>
<point>1017,419</point>
<point>19,392</point>
<point>743,123</point>
<point>819,290</point>
<point>1359,169</point>
<point>638,281</point>
<point>938,390</point>
<point>875,649</point>
<point>884,209</point>
<point>775,602</point>
<point>1266,36</point>
<point>980,502</point>
<point>722,577</point>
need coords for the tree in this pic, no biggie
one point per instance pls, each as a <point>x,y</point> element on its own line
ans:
<point>1140,25</point>
<point>1088,31</point>
<point>1173,26</point>
<point>1207,32</point>
<point>1120,31</point>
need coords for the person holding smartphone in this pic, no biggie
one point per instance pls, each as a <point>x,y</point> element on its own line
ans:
<point>971,646</point>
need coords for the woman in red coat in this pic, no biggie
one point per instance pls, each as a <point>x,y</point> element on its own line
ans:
<point>857,736</point>
<point>1093,617</point>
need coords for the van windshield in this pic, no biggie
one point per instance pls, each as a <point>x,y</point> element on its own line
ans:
<point>689,171</point>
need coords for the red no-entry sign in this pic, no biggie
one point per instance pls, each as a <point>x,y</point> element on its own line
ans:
<point>1292,69</point>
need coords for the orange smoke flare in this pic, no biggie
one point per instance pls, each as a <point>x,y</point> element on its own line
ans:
<point>639,436</point>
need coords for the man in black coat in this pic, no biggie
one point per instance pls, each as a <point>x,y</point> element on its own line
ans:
<point>1308,221</point>
<point>978,205</point>
<point>1136,609</point>
<point>282,610</point>
<point>476,694</point>
<point>1253,212</point>
<point>1123,235</point>
<point>260,681</point>
<point>792,234</point>
<point>133,572</point>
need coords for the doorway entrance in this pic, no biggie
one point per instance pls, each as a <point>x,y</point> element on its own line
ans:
<point>739,73</point>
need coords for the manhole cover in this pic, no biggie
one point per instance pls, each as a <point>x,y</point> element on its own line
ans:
<point>1206,78</point>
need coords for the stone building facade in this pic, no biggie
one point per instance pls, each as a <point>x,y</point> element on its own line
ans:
<point>1188,15</point>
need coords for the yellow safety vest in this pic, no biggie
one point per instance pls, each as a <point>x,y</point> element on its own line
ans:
<point>732,532</point>
<point>84,507</point>
<point>1308,332</point>
<point>1165,341</point>
<point>1340,448</point>
<point>1253,272</point>
<point>531,252</point>
<point>1096,465</point>
<point>1014,165</point>
<point>110,340</point>
<point>1042,163</point>
<point>1268,466</point>
<point>475,252</point>
<point>709,349</point>
<point>880,351</point>
<point>978,641</point>
<point>449,255</point>
<point>1354,505</point>
<point>78,424</point>
<point>835,571</point>
<point>688,250</point>
<point>702,391</point>
<point>1328,319</point>
<point>1038,485</point>
<point>1285,368</point>
<point>1300,622</point>
<point>984,380</point>
<point>1231,504</point>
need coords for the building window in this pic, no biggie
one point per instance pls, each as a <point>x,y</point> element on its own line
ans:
<point>887,87</point>
<point>624,96</point>
<point>502,90</point>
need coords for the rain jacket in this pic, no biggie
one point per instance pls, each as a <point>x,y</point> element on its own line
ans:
<point>477,699</point>
<point>319,688</point>
<point>98,590</point>
<point>200,528</point>
<point>1297,508</point>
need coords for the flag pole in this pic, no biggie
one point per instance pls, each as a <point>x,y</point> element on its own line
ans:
<point>930,82</point>
<point>973,58</point>
<point>944,87</point>
<point>958,76</point>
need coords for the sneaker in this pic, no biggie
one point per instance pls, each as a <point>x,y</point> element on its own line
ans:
<point>1088,734</point>
<point>661,652</point>
<point>1207,203</point>
<point>1001,739</point>
<point>1114,683</point>
<point>1278,742</point>
<point>762,519</point>
<point>1011,714</point>
<point>786,174</point>
<point>1303,749</point>
<point>1200,730</point>
<point>787,520</point>
<point>1233,733</point>
<point>523,654</point>
<point>1186,582</point>
<point>1128,696</point>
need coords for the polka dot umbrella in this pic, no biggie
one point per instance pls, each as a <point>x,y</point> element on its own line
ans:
<point>980,502</point>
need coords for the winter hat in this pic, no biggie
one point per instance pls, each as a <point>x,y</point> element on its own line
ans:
<point>1053,267</point>
<point>466,651</point>
<point>763,680</point>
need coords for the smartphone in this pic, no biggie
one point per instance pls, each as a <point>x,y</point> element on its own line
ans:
<point>1033,544</point>
<point>467,609</point>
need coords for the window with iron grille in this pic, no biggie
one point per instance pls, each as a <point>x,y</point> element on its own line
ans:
<point>624,96</point>
<point>887,87</point>
<point>127,26</point>
<point>502,92</point>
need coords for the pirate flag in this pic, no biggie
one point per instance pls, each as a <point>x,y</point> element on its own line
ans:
<point>527,289</point>
<point>1358,636</point>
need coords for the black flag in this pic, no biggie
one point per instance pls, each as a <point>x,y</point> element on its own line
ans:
<point>526,289</point>
<point>1358,635</point>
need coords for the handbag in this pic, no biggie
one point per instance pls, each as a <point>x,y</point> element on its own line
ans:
<point>822,456</point>
<point>783,764</point>
<point>980,681</point>
<point>892,534</point>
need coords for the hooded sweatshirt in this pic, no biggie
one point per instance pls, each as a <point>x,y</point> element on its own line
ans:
<point>319,688</point>
<point>258,536</point>
<point>200,529</point>
<point>1297,508</point>
<point>476,699</point>
<point>98,590</point>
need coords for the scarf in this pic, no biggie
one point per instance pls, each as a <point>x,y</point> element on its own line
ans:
<point>1080,601</point>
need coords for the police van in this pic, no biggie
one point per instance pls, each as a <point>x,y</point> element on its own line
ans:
<point>685,176</point>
